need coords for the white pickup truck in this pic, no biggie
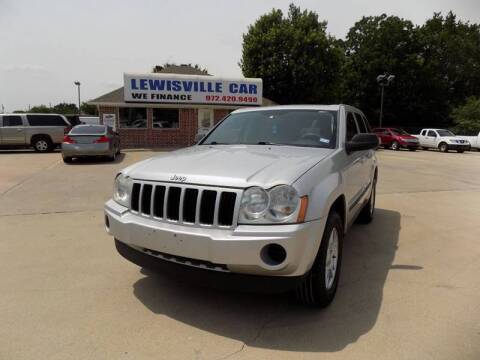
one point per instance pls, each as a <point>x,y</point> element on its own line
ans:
<point>442,139</point>
<point>474,141</point>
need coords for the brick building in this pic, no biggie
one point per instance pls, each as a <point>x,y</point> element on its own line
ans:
<point>167,109</point>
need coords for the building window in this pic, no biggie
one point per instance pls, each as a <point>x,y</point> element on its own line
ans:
<point>133,118</point>
<point>165,118</point>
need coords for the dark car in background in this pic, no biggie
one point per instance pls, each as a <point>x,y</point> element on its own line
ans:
<point>90,140</point>
<point>396,139</point>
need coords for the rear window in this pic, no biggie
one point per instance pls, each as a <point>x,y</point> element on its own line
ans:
<point>88,130</point>
<point>46,120</point>
<point>12,120</point>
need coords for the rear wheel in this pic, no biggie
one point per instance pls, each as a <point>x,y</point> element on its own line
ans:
<point>319,286</point>
<point>67,159</point>
<point>443,147</point>
<point>42,144</point>
<point>395,145</point>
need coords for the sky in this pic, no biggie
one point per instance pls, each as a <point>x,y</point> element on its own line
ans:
<point>46,45</point>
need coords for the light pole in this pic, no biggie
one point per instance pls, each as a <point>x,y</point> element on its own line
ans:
<point>78,87</point>
<point>383,80</point>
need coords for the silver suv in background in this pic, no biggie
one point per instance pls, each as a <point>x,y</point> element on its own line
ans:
<point>43,132</point>
<point>264,199</point>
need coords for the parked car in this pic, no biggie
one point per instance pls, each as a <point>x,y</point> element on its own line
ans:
<point>90,140</point>
<point>43,132</point>
<point>473,140</point>
<point>396,139</point>
<point>262,202</point>
<point>442,139</point>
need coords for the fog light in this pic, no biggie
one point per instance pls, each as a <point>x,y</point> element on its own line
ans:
<point>273,254</point>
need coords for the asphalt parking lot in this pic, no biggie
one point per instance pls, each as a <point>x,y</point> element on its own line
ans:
<point>410,286</point>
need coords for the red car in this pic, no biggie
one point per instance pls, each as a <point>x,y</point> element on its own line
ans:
<point>396,139</point>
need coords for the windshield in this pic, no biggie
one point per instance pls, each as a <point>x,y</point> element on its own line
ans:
<point>399,132</point>
<point>88,130</point>
<point>315,128</point>
<point>445,133</point>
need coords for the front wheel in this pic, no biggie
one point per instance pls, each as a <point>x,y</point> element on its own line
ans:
<point>395,145</point>
<point>443,147</point>
<point>42,144</point>
<point>319,286</point>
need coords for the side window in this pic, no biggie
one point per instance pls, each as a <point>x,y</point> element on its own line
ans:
<point>351,127</point>
<point>432,133</point>
<point>12,120</point>
<point>361,125</point>
<point>367,125</point>
<point>46,120</point>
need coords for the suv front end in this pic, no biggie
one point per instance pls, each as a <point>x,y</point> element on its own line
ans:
<point>216,232</point>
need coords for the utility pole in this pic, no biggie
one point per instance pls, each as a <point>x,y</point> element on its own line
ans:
<point>79,103</point>
<point>383,80</point>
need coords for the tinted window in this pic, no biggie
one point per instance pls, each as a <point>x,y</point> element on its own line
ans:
<point>165,118</point>
<point>316,128</point>
<point>46,120</point>
<point>361,124</point>
<point>432,133</point>
<point>88,130</point>
<point>12,121</point>
<point>133,118</point>
<point>445,133</point>
<point>351,127</point>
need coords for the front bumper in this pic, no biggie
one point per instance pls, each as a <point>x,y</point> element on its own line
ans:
<point>78,150</point>
<point>409,145</point>
<point>237,250</point>
<point>463,147</point>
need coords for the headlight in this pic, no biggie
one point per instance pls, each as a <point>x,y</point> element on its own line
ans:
<point>122,190</point>
<point>284,202</point>
<point>279,204</point>
<point>255,203</point>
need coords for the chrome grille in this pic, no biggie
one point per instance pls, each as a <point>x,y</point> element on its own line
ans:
<point>186,204</point>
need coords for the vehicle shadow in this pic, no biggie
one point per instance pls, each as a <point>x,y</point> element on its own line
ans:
<point>97,160</point>
<point>277,322</point>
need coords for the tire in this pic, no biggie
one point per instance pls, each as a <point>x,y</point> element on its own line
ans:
<point>113,157</point>
<point>443,147</point>
<point>67,160</point>
<point>318,288</point>
<point>368,211</point>
<point>42,144</point>
<point>395,146</point>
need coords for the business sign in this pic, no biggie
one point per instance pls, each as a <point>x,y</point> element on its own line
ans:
<point>191,89</point>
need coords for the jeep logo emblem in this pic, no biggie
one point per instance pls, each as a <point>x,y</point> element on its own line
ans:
<point>178,178</point>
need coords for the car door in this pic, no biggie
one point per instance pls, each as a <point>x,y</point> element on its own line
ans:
<point>367,161</point>
<point>431,138</point>
<point>354,176</point>
<point>12,130</point>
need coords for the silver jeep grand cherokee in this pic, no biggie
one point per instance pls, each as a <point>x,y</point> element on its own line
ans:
<point>262,202</point>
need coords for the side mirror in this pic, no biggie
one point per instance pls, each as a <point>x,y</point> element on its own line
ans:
<point>362,142</point>
<point>199,137</point>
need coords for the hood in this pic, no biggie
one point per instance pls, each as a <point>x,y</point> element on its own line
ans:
<point>455,138</point>
<point>408,136</point>
<point>230,165</point>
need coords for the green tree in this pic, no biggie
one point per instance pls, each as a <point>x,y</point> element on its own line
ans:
<point>65,109</point>
<point>297,60</point>
<point>40,109</point>
<point>377,45</point>
<point>88,109</point>
<point>466,117</point>
<point>450,50</point>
